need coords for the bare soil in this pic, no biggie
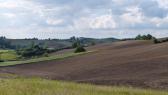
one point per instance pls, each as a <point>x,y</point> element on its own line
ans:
<point>127,63</point>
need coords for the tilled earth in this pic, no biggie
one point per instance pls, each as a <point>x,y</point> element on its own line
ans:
<point>127,63</point>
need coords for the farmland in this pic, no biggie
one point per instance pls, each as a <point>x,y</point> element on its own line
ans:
<point>126,63</point>
<point>38,59</point>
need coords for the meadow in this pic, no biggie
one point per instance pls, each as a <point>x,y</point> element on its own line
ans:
<point>8,55</point>
<point>37,86</point>
<point>38,59</point>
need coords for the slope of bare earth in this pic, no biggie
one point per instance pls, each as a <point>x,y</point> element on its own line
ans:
<point>127,63</point>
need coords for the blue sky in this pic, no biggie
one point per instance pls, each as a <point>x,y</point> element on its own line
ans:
<point>83,18</point>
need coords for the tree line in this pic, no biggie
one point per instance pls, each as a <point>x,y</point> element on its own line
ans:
<point>5,43</point>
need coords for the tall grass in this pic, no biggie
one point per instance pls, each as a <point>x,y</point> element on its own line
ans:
<point>8,55</point>
<point>35,86</point>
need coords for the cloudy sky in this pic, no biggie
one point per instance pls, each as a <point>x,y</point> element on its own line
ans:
<point>83,18</point>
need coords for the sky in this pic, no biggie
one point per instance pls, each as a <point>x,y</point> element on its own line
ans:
<point>83,18</point>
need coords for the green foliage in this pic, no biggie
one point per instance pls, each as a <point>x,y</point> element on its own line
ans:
<point>144,37</point>
<point>76,42</point>
<point>80,49</point>
<point>75,45</point>
<point>5,44</point>
<point>37,86</point>
<point>32,50</point>
<point>156,41</point>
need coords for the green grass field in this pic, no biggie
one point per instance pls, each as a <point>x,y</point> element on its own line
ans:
<point>40,59</point>
<point>37,86</point>
<point>8,55</point>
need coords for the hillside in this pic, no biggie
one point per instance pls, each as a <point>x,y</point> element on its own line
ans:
<point>128,63</point>
<point>37,86</point>
<point>59,43</point>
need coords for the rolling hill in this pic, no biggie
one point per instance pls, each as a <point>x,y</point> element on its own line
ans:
<point>59,43</point>
<point>124,63</point>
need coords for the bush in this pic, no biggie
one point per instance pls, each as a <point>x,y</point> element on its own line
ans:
<point>155,41</point>
<point>46,55</point>
<point>1,60</point>
<point>34,50</point>
<point>80,49</point>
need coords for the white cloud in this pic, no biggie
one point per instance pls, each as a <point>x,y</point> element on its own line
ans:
<point>8,15</point>
<point>16,4</point>
<point>103,22</point>
<point>22,6</point>
<point>133,15</point>
<point>120,2</point>
<point>29,9</point>
<point>9,4</point>
<point>82,23</point>
<point>163,3</point>
<point>159,21</point>
<point>54,21</point>
<point>98,22</point>
<point>105,17</point>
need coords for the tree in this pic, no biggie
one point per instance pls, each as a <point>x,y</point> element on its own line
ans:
<point>73,39</point>
<point>32,50</point>
<point>76,43</point>
<point>149,37</point>
<point>138,37</point>
<point>155,41</point>
<point>144,37</point>
<point>5,43</point>
<point>80,49</point>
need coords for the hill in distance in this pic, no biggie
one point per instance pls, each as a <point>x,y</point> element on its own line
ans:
<point>124,63</point>
<point>60,43</point>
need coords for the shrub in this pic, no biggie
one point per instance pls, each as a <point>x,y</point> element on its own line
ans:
<point>155,41</point>
<point>46,55</point>
<point>1,60</point>
<point>34,50</point>
<point>80,49</point>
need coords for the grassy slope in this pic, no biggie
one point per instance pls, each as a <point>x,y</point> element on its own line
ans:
<point>54,57</point>
<point>35,86</point>
<point>8,55</point>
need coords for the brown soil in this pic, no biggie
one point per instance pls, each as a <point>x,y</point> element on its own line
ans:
<point>127,63</point>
